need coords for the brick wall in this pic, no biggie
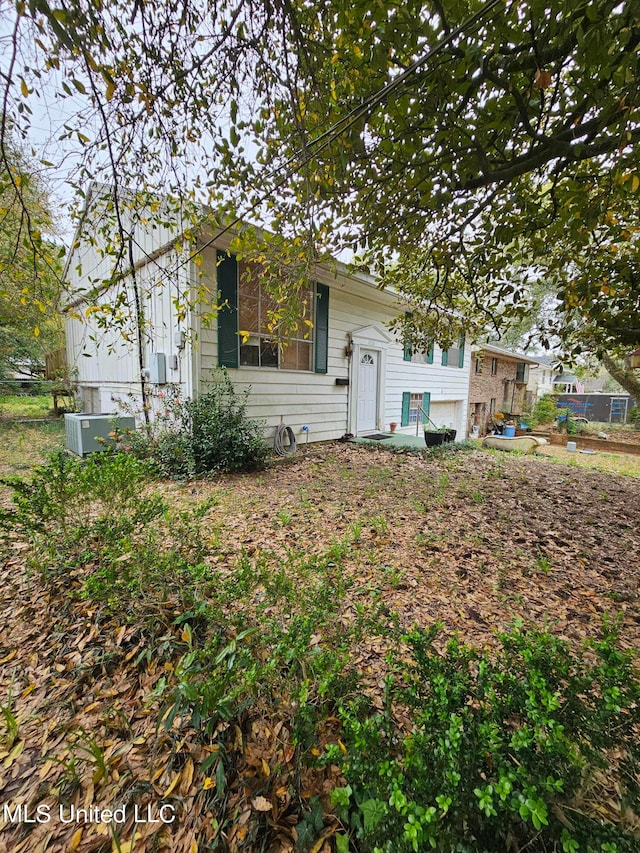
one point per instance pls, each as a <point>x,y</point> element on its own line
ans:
<point>484,387</point>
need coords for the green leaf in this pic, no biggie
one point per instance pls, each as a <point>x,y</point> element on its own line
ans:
<point>342,843</point>
<point>373,811</point>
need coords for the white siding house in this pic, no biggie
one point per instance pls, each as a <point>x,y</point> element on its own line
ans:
<point>541,377</point>
<point>350,376</point>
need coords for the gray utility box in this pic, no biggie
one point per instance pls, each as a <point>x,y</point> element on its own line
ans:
<point>158,368</point>
<point>83,430</point>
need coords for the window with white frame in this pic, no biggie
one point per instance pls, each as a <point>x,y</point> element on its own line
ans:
<point>454,356</point>
<point>421,357</point>
<point>411,353</point>
<point>256,317</point>
<point>415,408</point>
<point>248,319</point>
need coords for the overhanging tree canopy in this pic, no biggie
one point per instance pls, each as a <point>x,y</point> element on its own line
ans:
<point>30,269</point>
<point>477,145</point>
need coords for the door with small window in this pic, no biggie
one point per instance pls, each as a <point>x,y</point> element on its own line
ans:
<point>367,390</point>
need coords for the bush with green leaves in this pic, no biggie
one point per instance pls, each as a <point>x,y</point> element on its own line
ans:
<point>97,514</point>
<point>223,438</point>
<point>263,624</point>
<point>72,508</point>
<point>543,412</point>
<point>208,433</point>
<point>502,752</point>
<point>634,417</point>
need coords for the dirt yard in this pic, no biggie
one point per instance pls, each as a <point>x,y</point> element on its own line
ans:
<point>474,540</point>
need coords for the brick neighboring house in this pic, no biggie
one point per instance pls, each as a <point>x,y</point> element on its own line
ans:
<point>498,384</point>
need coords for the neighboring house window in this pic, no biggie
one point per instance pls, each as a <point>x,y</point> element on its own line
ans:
<point>522,372</point>
<point>454,356</point>
<point>244,337</point>
<point>492,406</point>
<point>412,403</point>
<point>506,400</point>
<point>478,365</point>
<point>494,366</point>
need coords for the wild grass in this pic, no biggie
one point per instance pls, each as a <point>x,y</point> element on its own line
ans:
<point>24,445</point>
<point>17,406</point>
<point>613,463</point>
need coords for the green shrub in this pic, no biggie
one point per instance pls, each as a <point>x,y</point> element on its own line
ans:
<point>209,433</point>
<point>284,648</point>
<point>72,508</point>
<point>634,417</point>
<point>95,514</point>
<point>501,751</point>
<point>223,437</point>
<point>543,412</point>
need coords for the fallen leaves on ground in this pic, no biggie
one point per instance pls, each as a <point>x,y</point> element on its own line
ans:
<point>471,540</point>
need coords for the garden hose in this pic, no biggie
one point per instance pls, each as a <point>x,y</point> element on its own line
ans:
<point>278,442</point>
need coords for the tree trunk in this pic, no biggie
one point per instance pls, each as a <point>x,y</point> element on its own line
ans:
<point>629,379</point>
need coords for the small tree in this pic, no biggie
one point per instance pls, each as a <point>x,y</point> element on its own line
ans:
<point>544,411</point>
<point>30,268</point>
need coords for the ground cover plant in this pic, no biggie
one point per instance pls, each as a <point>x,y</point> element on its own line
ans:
<point>274,657</point>
<point>625,464</point>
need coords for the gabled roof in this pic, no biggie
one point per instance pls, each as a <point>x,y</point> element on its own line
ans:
<point>490,349</point>
<point>547,360</point>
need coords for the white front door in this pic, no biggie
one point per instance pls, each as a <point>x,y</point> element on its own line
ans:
<point>367,391</point>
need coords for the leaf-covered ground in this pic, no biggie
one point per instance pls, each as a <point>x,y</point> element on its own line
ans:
<point>473,540</point>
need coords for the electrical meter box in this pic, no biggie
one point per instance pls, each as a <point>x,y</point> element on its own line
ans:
<point>158,368</point>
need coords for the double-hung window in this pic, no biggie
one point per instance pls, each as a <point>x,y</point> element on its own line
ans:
<point>454,356</point>
<point>415,407</point>
<point>246,319</point>
<point>415,355</point>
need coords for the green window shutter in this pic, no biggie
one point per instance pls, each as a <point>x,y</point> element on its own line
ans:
<point>426,403</point>
<point>228,314</point>
<point>408,344</point>
<point>430,353</point>
<point>322,329</point>
<point>461,342</point>
<point>406,398</point>
<point>445,357</point>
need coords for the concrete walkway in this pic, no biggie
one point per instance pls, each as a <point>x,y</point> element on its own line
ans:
<point>398,439</point>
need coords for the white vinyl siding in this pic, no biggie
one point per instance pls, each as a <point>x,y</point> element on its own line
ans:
<point>314,400</point>
<point>106,360</point>
<point>277,395</point>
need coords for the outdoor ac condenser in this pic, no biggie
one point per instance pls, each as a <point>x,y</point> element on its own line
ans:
<point>84,430</point>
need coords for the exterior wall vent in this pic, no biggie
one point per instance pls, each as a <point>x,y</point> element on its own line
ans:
<point>83,430</point>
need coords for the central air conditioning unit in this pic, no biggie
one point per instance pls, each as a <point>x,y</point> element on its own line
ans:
<point>83,431</point>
